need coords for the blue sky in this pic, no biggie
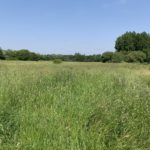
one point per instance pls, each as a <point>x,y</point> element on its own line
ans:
<point>69,26</point>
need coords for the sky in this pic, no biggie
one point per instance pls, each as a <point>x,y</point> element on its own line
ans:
<point>70,26</point>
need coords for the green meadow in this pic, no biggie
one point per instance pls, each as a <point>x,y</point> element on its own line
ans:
<point>74,106</point>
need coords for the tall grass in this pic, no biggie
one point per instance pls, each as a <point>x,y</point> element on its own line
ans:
<point>74,106</point>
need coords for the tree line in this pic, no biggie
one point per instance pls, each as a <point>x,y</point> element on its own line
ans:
<point>26,55</point>
<point>130,47</point>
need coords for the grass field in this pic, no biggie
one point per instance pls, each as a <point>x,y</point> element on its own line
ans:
<point>74,106</point>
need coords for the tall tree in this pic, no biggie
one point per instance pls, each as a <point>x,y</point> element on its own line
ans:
<point>132,41</point>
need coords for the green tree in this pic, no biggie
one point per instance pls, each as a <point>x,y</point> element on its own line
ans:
<point>132,41</point>
<point>79,57</point>
<point>97,58</point>
<point>107,57</point>
<point>1,54</point>
<point>147,53</point>
<point>23,54</point>
<point>34,56</point>
<point>118,57</point>
<point>11,54</point>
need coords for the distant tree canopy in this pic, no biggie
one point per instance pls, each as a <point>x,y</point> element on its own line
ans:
<point>26,55</point>
<point>22,54</point>
<point>132,41</point>
<point>130,47</point>
<point>107,56</point>
<point>1,54</point>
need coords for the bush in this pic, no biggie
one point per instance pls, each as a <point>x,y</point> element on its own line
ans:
<point>107,57</point>
<point>57,61</point>
<point>136,56</point>
<point>118,57</point>
<point>1,54</point>
<point>147,52</point>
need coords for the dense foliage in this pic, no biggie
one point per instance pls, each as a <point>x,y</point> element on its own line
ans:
<point>1,54</point>
<point>57,61</point>
<point>107,56</point>
<point>132,41</point>
<point>28,55</point>
<point>130,47</point>
<point>116,57</point>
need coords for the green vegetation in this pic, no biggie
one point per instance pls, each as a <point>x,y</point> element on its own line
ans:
<point>118,57</point>
<point>27,55</point>
<point>57,61</point>
<point>107,57</point>
<point>130,47</point>
<point>78,106</point>
<point>136,56</point>
<point>132,41</point>
<point>1,54</point>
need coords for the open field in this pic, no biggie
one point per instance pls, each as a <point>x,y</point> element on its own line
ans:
<point>74,106</point>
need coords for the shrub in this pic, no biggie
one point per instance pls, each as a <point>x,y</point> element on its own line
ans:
<point>107,57</point>
<point>147,52</point>
<point>1,54</point>
<point>136,56</point>
<point>57,61</point>
<point>118,57</point>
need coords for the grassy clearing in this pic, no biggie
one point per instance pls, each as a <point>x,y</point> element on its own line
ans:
<point>74,106</point>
